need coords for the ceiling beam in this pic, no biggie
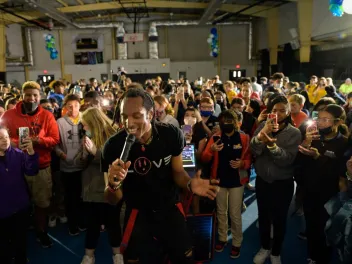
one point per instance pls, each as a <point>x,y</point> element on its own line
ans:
<point>62,2</point>
<point>116,16</point>
<point>210,11</point>
<point>116,5</point>
<point>10,19</point>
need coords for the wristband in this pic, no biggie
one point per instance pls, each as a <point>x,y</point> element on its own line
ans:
<point>272,148</point>
<point>110,189</point>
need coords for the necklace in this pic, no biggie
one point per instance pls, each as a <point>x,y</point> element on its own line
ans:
<point>147,142</point>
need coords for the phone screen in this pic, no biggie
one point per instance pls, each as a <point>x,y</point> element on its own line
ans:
<point>187,129</point>
<point>216,138</point>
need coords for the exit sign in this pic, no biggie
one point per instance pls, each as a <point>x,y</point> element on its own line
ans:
<point>133,37</point>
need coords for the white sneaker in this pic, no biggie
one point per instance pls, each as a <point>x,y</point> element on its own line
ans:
<point>117,259</point>
<point>261,256</point>
<point>63,219</point>
<point>88,260</point>
<point>275,259</point>
<point>52,221</point>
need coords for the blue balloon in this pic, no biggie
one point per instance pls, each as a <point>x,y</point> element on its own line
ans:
<point>336,2</point>
<point>214,54</point>
<point>53,56</point>
<point>336,10</point>
<point>53,50</point>
<point>213,31</point>
<point>48,37</point>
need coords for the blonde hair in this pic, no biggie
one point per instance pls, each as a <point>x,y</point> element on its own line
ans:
<point>298,98</point>
<point>161,100</point>
<point>30,85</point>
<point>100,125</point>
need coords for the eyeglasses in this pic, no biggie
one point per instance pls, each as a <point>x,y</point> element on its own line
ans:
<point>325,120</point>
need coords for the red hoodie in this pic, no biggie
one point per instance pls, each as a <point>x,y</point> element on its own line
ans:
<point>42,124</point>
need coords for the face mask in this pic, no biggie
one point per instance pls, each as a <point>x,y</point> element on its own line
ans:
<point>159,114</point>
<point>190,121</point>
<point>325,131</point>
<point>51,110</point>
<point>277,85</point>
<point>186,95</point>
<point>219,102</point>
<point>197,102</point>
<point>88,134</point>
<point>30,107</point>
<point>206,113</point>
<point>227,128</point>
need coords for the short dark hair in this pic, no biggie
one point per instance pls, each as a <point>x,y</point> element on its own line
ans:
<point>237,100</point>
<point>148,102</point>
<point>58,84</point>
<point>277,76</point>
<point>254,79</point>
<point>71,97</point>
<point>44,101</point>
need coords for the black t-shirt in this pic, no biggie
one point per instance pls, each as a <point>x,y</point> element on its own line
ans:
<point>149,183</point>
<point>229,177</point>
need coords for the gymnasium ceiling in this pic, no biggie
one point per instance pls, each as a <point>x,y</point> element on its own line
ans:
<point>62,12</point>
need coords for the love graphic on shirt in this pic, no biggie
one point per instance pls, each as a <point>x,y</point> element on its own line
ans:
<point>142,166</point>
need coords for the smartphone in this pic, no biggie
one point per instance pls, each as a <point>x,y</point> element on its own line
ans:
<point>23,133</point>
<point>216,138</point>
<point>312,127</point>
<point>273,117</point>
<point>187,129</point>
<point>315,115</point>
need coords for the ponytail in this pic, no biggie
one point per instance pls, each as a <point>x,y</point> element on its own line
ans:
<point>343,129</point>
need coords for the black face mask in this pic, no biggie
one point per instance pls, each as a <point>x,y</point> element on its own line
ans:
<point>172,102</point>
<point>325,131</point>
<point>197,102</point>
<point>227,128</point>
<point>219,102</point>
<point>30,107</point>
<point>186,96</point>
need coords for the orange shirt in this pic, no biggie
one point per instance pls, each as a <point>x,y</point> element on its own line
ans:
<point>299,118</point>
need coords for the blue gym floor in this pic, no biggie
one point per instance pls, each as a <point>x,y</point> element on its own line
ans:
<point>70,250</point>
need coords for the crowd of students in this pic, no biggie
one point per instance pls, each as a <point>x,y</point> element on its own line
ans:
<point>296,136</point>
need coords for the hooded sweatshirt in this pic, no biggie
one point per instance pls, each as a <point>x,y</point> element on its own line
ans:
<point>70,143</point>
<point>41,124</point>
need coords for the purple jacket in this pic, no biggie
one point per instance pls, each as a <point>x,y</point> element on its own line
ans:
<point>13,187</point>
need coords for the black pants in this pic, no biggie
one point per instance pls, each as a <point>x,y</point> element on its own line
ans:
<point>13,238</point>
<point>110,215</point>
<point>273,203</point>
<point>316,218</point>
<point>159,234</point>
<point>72,182</point>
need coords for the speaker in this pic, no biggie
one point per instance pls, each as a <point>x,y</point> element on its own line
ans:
<point>202,230</point>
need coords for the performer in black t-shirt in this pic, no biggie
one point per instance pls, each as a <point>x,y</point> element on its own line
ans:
<point>151,178</point>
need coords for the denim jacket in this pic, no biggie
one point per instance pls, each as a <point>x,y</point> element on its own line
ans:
<point>339,226</point>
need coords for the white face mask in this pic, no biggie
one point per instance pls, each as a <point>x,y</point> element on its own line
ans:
<point>190,121</point>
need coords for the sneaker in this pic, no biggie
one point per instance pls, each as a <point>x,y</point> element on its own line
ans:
<point>275,259</point>
<point>250,187</point>
<point>63,219</point>
<point>302,235</point>
<point>235,252</point>
<point>117,259</point>
<point>261,256</point>
<point>52,221</point>
<point>44,240</point>
<point>82,228</point>
<point>220,246</point>
<point>244,207</point>
<point>88,260</point>
<point>73,231</point>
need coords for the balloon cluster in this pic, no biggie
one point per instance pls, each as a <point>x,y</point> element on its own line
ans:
<point>50,46</point>
<point>213,42</point>
<point>336,7</point>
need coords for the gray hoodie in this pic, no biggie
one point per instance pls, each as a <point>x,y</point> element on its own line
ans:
<point>277,165</point>
<point>70,144</point>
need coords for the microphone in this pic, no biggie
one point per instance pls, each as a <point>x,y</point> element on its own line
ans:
<point>127,147</point>
<point>130,139</point>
